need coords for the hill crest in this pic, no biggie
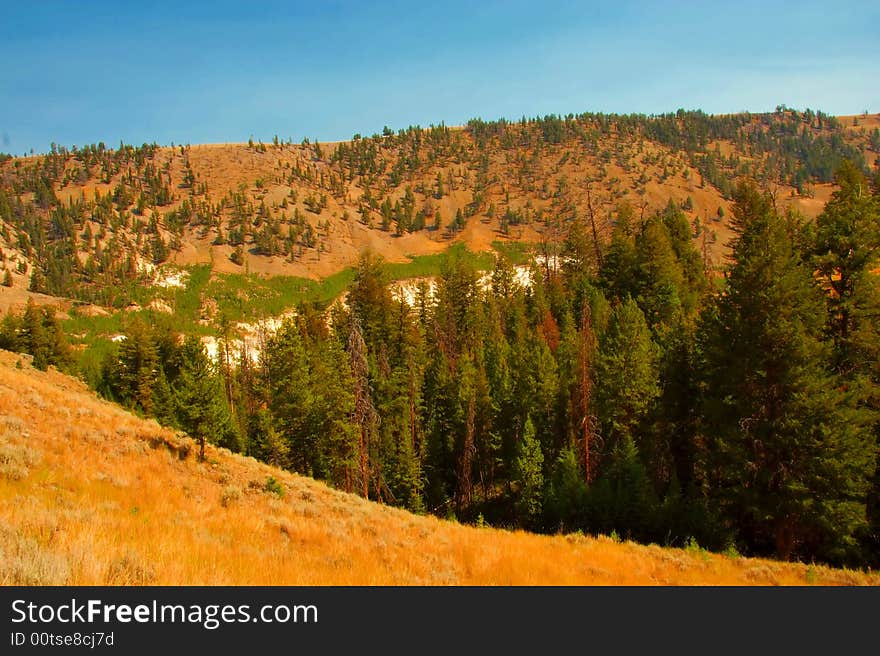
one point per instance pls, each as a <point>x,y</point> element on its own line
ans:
<point>88,220</point>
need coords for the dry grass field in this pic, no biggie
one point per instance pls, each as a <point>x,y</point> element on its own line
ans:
<point>90,494</point>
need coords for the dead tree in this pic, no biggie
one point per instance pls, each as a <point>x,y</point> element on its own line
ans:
<point>465,490</point>
<point>587,424</point>
<point>594,228</point>
<point>365,417</point>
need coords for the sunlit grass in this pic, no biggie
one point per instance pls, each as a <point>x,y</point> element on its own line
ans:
<point>94,495</point>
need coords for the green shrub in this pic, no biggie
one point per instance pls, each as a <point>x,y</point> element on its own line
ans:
<point>273,487</point>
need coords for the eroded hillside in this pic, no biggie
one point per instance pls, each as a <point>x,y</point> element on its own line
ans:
<point>85,222</point>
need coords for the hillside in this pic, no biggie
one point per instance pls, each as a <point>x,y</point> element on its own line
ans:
<point>90,494</point>
<point>514,324</point>
<point>90,220</point>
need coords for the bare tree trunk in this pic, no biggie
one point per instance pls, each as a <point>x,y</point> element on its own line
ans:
<point>363,448</point>
<point>593,227</point>
<point>704,244</point>
<point>465,484</point>
<point>587,350</point>
<point>227,368</point>
<point>784,538</point>
<point>412,414</point>
<point>364,414</point>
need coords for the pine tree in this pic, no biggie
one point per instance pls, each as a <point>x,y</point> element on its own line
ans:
<point>164,408</point>
<point>289,393</point>
<point>580,259</point>
<point>617,274</point>
<point>335,436</point>
<point>9,332</point>
<point>567,492</point>
<point>499,375</point>
<point>544,386</point>
<point>441,403</point>
<point>787,455</point>
<point>34,339</point>
<point>670,450</point>
<point>370,299</point>
<point>264,442</point>
<point>529,476</point>
<point>201,407</point>
<point>623,500</point>
<point>626,367</point>
<point>132,373</point>
<point>659,276</point>
<point>847,252</point>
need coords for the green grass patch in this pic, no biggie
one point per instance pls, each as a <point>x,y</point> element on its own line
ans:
<point>421,266</point>
<point>517,252</point>
<point>249,297</point>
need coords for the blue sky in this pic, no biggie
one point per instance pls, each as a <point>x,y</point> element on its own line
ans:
<point>87,71</point>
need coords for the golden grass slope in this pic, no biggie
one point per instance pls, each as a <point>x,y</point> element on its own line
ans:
<point>90,494</point>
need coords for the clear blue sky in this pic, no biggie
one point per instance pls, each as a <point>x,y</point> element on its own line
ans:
<point>78,72</point>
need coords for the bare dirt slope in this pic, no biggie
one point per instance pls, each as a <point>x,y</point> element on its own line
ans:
<point>90,494</point>
<point>310,209</point>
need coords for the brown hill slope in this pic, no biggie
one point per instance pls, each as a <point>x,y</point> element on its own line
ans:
<point>90,217</point>
<point>90,494</point>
